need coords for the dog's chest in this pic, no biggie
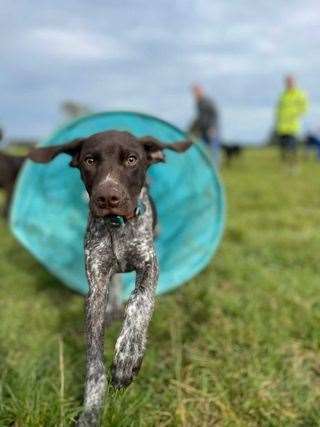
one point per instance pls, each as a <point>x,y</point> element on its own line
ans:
<point>132,245</point>
<point>126,248</point>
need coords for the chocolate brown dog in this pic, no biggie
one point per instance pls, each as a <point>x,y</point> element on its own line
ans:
<point>119,239</point>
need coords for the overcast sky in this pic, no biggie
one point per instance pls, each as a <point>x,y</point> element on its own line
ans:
<point>143,55</point>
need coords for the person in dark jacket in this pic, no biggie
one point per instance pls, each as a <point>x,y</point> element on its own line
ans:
<point>205,124</point>
<point>206,121</point>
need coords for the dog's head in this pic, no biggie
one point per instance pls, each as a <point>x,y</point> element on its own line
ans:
<point>113,167</point>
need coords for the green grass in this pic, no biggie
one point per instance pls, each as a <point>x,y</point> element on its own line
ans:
<point>236,346</point>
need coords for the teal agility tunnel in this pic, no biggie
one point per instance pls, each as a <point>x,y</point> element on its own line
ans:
<point>50,205</point>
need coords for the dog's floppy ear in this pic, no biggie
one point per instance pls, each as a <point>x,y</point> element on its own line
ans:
<point>154,148</point>
<point>46,154</point>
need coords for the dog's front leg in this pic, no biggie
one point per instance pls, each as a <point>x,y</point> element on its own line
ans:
<point>131,343</point>
<point>96,302</point>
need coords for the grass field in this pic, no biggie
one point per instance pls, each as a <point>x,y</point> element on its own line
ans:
<point>236,346</point>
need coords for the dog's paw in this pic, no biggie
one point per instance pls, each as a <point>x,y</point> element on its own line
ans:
<point>88,419</point>
<point>123,373</point>
<point>125,367</point>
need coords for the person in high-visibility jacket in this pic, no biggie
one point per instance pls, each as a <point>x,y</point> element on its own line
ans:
<point>291,107</point>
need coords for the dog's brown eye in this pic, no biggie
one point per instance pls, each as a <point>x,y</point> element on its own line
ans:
<point>131,160</point>
<point>89,161</point>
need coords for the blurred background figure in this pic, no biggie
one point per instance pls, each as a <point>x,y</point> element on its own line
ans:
<point>205,124</point>
<point>10,166</point>
<point>74,109</point>
<point>291,107</point>
<point>312,142</point>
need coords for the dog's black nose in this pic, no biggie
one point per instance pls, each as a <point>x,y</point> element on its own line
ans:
<point>110,199</point>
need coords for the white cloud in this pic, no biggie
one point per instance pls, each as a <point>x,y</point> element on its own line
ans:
<point>63,43</point>
<point>213,64</point>
<point>307,16</point>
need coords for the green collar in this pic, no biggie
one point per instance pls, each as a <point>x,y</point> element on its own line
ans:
<point>116,221</point>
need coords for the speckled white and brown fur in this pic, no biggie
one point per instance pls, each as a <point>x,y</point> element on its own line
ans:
<point>110,250</point>
<point>113,167</point>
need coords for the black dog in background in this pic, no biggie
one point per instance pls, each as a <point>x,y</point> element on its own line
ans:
<point>231,151</point>
<point>9,168</point>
